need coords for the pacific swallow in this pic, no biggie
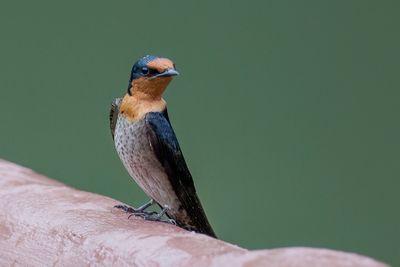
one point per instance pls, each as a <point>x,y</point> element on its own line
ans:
<point>149,149</point>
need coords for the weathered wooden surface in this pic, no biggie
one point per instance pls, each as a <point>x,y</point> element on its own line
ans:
<point>45,223</point>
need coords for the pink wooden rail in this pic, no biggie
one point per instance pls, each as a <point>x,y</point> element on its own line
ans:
<point>45,223</point>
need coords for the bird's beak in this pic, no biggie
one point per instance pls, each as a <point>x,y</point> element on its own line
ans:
<point>166,73</point>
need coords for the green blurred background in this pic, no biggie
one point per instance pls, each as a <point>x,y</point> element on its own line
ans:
<point>287,111</point>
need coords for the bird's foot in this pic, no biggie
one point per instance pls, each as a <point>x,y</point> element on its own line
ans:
<point>158,217</point>
<point>170,221</point>
<point>125,208</point>
<point>139,211</point>
<point>147,215</point>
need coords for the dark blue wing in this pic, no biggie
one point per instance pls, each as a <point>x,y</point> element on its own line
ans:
<point>168,152</point>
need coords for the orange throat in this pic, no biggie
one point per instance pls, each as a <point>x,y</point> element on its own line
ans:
<point>146,96</point>
<point>135,107</point>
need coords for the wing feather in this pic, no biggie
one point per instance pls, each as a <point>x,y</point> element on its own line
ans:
<point>114,111</point>
<point>169,154</point>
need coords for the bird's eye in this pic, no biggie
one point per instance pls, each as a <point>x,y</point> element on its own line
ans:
<point>145,70</point>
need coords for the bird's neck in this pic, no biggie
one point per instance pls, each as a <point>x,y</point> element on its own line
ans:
<point>137,105</point>
<point>145,96</point>
<point>149,89</point>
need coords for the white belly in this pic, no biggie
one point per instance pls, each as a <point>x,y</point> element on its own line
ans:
<point>136,154</point>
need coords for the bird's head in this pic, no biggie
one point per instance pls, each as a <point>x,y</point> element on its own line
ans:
<point>151,75</point>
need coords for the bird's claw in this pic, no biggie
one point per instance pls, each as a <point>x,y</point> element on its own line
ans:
<point>142,214</point>
<point>147,215</point>
<point>137,212</point>
<point>171,221</point>
<point>155,217</point>
<point>125,208</point>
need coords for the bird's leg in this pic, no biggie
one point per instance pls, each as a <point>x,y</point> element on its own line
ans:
<point>147,215</point>
<point>145,206</point>
<point>139,211</point>
<point>159,217</point>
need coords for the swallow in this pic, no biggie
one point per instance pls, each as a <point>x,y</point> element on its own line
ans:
<point>149,150</point>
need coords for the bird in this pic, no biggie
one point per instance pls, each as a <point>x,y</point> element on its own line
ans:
<point>149,150</point>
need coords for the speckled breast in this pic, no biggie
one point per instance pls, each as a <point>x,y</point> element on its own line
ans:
<point>136,153</point>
